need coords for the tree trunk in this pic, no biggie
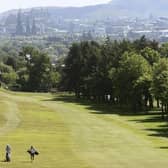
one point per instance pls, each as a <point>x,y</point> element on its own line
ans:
<point>158,105</point>
<point>163,112</point>
<point>150,102</point>
<point>146,102</point>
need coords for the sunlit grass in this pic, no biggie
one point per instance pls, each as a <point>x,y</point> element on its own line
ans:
<point>71,134</point>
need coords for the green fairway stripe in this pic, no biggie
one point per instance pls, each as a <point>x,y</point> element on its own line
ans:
<point>73,135</point>
<point>11,116</point>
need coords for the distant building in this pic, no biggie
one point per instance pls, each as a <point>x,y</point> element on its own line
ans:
<point>19,25</point>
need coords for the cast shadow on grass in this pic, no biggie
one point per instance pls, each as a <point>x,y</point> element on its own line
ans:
<point>107,109</point>
<point>157,131</point>
<point>163,147</point>
<point>150,118</point>
<point>161,131</point>
<point>95,108</point>
<point>3,161</point>
<point>100,108</point>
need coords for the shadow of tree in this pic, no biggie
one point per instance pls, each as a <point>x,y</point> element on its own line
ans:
<point>152,117</point>
<point>159,132</point>
<point>163,147</point>
<point>98,108</point>
<point>104,109</point>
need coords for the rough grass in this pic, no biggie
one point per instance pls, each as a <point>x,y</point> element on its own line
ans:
<point>71,134</point>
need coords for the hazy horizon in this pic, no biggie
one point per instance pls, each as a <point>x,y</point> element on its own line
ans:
<point>18,4</point>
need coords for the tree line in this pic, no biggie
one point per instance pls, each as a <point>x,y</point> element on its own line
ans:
<point>132,74</point>
<point>32,70</point>
<point>127,73</point>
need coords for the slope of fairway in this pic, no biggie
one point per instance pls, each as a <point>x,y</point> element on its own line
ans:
<point>76,135</point>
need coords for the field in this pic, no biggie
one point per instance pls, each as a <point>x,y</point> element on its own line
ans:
<point>71,134</point>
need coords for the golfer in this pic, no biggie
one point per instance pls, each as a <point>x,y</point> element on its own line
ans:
<point>8,153</point>
<point>32,151</point>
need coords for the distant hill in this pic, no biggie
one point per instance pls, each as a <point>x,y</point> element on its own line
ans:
<point>87,12</point>
<point>141,7</point>
<point>115,8</point>
<point>52,19</point>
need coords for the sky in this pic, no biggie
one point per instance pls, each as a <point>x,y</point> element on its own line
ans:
<point>18,4</point>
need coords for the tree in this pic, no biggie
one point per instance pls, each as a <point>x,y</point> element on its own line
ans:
<point>151,55</point>
<point>9,78</point>
<point>164,50</point>
<point>23,78</point>
<point>39,71</point>
<point>121,69</point>
<point>55,79</point>
<point>72,70</point>
<point>132,76</point>
<point>82,70</point>
<point>11,61</point>
<point>160,83</point>
<point>8,75</point>
<point>38,74</point>
<point>143,42</point>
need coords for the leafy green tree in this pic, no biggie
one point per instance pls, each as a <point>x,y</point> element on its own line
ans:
<point>160,83</point>
<point>37,75</point>
<point>121,69</point>
<point>71,78</point>
<point>55,78</point>
<point>151,55</point>
<point>132,76</point>
<point>23,78</point>
<point>9,78</point>
<point>11,61</point>
<point>93,77</point>
<point>7,75</point>
<point>143,42</point>
<point>39,71</point>
<point>164,50</point>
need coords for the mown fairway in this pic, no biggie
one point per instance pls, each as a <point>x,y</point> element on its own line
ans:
<point>75,135</point>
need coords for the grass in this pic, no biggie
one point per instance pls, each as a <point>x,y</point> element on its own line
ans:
<point>73,134</point>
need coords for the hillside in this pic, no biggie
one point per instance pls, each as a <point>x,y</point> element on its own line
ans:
<point>115,8</point>
<point>142,8</point>
<point>116,18</point>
